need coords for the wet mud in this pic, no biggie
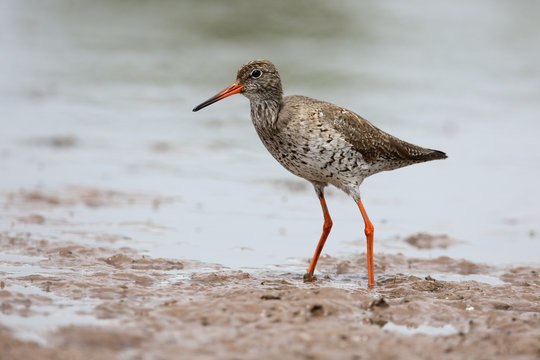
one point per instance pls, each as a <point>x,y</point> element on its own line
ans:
<point>66,300</point>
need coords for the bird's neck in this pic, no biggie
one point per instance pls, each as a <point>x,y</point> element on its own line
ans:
<point>264,113</point>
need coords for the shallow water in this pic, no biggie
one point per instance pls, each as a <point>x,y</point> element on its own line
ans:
<point>48,314</point>
<point>420,329</point>
<point>99,94</point>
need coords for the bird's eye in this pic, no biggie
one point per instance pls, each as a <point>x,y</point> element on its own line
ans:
<point>256,73</point>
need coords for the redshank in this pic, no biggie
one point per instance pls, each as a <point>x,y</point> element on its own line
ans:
<point>320,142</point>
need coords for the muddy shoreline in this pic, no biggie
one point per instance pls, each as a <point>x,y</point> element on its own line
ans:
<point>147,308</point>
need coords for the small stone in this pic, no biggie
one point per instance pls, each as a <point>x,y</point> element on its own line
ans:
<point>501,306</point>
<point>317,310</point>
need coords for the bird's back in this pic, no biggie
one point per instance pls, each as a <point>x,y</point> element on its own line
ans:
<point>371,142</point>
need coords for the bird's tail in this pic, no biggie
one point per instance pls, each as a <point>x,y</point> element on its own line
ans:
<point>431,155</point>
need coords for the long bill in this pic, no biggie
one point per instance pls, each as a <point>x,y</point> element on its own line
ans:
<point>235,88</point>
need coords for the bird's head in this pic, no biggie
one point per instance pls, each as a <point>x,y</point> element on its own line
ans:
<point>257,80</point>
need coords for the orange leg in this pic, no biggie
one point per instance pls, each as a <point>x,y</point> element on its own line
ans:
<point>326,230</point>
<point>369,230</point>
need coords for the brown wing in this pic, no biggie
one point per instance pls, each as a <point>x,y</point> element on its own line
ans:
<point>373,143</point>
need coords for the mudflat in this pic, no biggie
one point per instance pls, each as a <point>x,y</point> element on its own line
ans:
<point>71,300</point>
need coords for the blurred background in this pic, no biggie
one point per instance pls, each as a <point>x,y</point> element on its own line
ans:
<point>99,94</point>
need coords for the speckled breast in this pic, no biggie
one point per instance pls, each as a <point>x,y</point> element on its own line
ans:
<point>316,153</point>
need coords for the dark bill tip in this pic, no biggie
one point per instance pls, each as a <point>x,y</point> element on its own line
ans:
<point>200,106</point>
<point>231,90</point>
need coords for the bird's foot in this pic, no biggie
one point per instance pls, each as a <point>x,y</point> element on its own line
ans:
<point>309,277</point>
